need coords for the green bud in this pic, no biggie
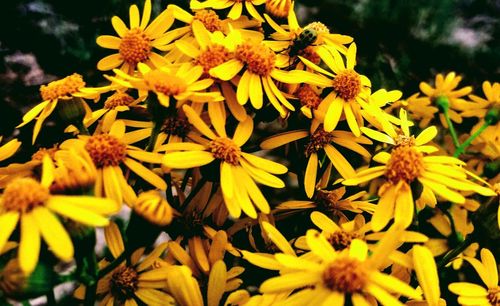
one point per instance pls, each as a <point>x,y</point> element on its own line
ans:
<point>442,102</point>
<point>71,110</point>
<point>492,116</point>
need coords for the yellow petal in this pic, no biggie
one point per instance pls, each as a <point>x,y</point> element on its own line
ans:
<point>54,233</point>
<point>29,247</point>
<point>148,175</point>
<point>110,62</point>
<point>216,283</point>
<point>427,275</point>
<point>76,213</point>
<point>114,239</point>
<point>277,238</point>
<point>186,160</point>
<point>310,175</point>
<point>9,222</point>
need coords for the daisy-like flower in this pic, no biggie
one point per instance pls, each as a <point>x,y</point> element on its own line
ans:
<point>152,206</point>
<point>135,43</point>
<point>446,86</point>
<point>214,49</point>
<point>351,91</point>
<point>139,279</point>
<point>108,152</point>
<point>31,204</point>
<point>236,7</point>
<point>8,149</point>
<point>473,294</point>
<point>56,92</point>
<point>329,277</point>
<point>317,140</point>
<point>235,165</point>
<point>180,82</point>
<point>408,162</point>
<point>478,107</point>
<point>279,8</point>
<point>261,68</point>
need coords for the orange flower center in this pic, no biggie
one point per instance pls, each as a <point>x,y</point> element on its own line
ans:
<point>494,296</point>
<point>210,20</point>
<point>38,155</point>
<point>212,57</point>
<point>341,240</point>
<point>347,84</point>
<point>124,282</point>
<point>258,58</point>
<point>167,84</point>
<point>118,99</point>
<point>278,8</point>
<point>106,150</point>
<point>318,27</point>
<point>225,149</point>
<point>318,140</point>
<point>23,195</point>
<point>177,126</point>
<point>62,88</point>
<point>308,97</point>
<point>135,47</point>
<point>405,164</point>
<point>345,275</point>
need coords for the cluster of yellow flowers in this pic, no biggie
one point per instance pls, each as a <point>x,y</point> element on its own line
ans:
<point>317,187</point>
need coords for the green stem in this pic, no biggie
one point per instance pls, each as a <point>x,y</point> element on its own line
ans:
<point>82,128</point>
<point>463,146</point>
<point>456,251</point>
<point>453,133</point>
<point>51,299</point>
<point>154,136</point>
<point>115,263</point>
<point>90,291</point>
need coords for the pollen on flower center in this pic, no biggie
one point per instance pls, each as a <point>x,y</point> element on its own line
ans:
<point>318,27</point>
<point>347,84</point>
<point>210,20</point>
<point>318,140</point>
<point>494,296</point>
<point>124,282</point>
<point>258,58</point>
<point>345,275</point>
<point>225,149</point>
<point>38,155</point>
<point>62,88</point>
<point>106,150</point>
<point>212,57</point>
<point>341,239</point>
<point>135,47</point>
<point>405,164</point>
<point>23,195</point>
<point>308,97</point>
<point>118,99</point>
<point>177,126</point>
<point>167,84</point>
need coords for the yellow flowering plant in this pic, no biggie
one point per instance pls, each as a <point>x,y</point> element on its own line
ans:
<point>257,167</point>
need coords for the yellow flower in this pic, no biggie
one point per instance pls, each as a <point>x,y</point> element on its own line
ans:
<point>108,152</point>
<point>140,278</point>
<point>427,274</point>
<point>180,82</point>
<point>55,92</point>
<point>279,8</point>
<point>261,68</point>
<point>8,149</point>
<point>446,86</point>
<point>153,207</point>
<point>318,139</point>
<point>408,161</point>
<point>236,7</point>
<point>235,165</point>
<point>330,276</point>
<point>30,203</point>
<point>135,44</point>
<point>473,294</point>
<point>478,107</point>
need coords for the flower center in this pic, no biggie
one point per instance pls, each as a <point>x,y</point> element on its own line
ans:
<point>278,8</point>
<point>405,164</point>
<point>210,20</point>
<point>347,84</point>
<point>135,47</point>
<point>308,97</point>
<point>318,27</point>
<point>167,84</point>
<point>494,296</point>
<point>310,54</point>
<point>212,57</point>
<point>118,99</point>
<point>124,282</point>
<point>345,275</point>
<point>62,88</point>
<point>318,140</point>
<point>177,126</point>
<point>258,58</point>
<point>341,240</point>
<point>38,155</point>
<point>225,149</point>
<point>106,150</point>
<point>23,195</point>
